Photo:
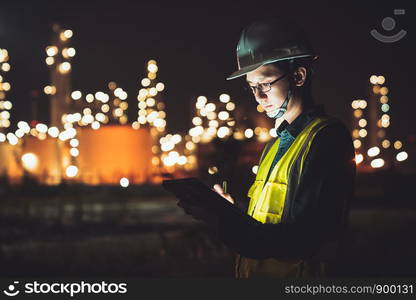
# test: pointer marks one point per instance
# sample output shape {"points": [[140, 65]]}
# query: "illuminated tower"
{"points": [[58, 58], [5, 86], [372, 140]]}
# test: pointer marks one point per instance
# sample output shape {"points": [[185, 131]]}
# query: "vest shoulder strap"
{"points": [[266, 149]]}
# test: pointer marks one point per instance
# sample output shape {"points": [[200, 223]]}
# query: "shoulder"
{"points": [[334, 130], [333, 138]]}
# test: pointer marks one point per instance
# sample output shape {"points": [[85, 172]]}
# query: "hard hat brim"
{"points": [[245, 70]]}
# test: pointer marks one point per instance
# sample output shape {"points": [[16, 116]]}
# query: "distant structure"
{"points": [[375, 148], [5, 104]]}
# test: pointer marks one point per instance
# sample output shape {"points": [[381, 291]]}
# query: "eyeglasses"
{"points": [[265, 87]]}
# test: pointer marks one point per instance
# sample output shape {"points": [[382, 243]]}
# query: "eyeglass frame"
{"points": [[265, 85]]}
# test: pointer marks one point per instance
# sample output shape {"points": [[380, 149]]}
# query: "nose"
{"points": [[259, 95]]}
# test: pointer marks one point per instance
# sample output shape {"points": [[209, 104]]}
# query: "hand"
{"points": [[199, 213], [217, 188]]}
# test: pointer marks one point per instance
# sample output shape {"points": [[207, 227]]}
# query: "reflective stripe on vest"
{"points": [[268, 199]]}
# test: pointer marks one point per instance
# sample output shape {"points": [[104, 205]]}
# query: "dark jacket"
{"points": [[320, 209]]}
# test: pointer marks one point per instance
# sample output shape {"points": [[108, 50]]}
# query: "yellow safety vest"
{"points": [[268, 199]]}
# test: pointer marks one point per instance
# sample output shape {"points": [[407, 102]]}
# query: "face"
{"points": [[274, 98]]}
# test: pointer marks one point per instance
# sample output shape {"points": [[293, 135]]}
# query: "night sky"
{"points": [[194, 44]]}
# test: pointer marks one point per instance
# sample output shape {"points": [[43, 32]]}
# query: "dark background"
{"points": [[194, 44], [140, 232]]}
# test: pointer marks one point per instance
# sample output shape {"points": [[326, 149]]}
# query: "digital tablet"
{"points": [[197, 193]]}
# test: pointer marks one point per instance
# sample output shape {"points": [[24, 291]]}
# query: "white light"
{"points": [[362, 133], [160, 86], [385, 107], [4, 115], [210, 107], [22, 124], [87, 119], [123, 96], [98, 95], [224, 98], [7, 105], [223, 115], [374, 79], [51, 50], [74, 152], [182, 160], [357, 144], [385, 117], [255, 169], [363, 104], [145, 82], [223, 132], [50, 60], [152, 92], [150, 102], [53, 132], [76, 95], [41, 128], [71, 171], [362, 122], [359, 158], [2, 137], [173, 155], [401, 156], [95, 125], [89, 98], [190, 145], [68, 33], [377, 163], [124, 182], [105, 108], [249, 133], [74, 143], [213, 123], [167, 146], [373, 151], [64, 67], [211, 115], [197, 121], [142, 93], [4, 123], [30, 161], [19, 133], [176, 138], [5, 67], [159, 123], [71, 52], [152, 116], [230, 106], [199, 105], [13, 140], [380, 79], [77, 117], [152, 68]]}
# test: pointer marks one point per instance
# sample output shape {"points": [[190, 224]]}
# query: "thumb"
{"points": [[218, 189]]}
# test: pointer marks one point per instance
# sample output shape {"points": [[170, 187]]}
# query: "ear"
{"points": [[300, 76]]}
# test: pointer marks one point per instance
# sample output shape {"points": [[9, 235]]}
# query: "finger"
{"points": [[218, 189]]}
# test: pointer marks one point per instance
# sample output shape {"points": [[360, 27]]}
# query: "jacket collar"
{"points": [[301, 121]]}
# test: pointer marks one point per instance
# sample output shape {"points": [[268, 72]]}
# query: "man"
{"points": [[299, 201]]}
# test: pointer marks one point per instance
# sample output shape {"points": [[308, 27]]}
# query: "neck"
{"points": [[295, 108]]}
